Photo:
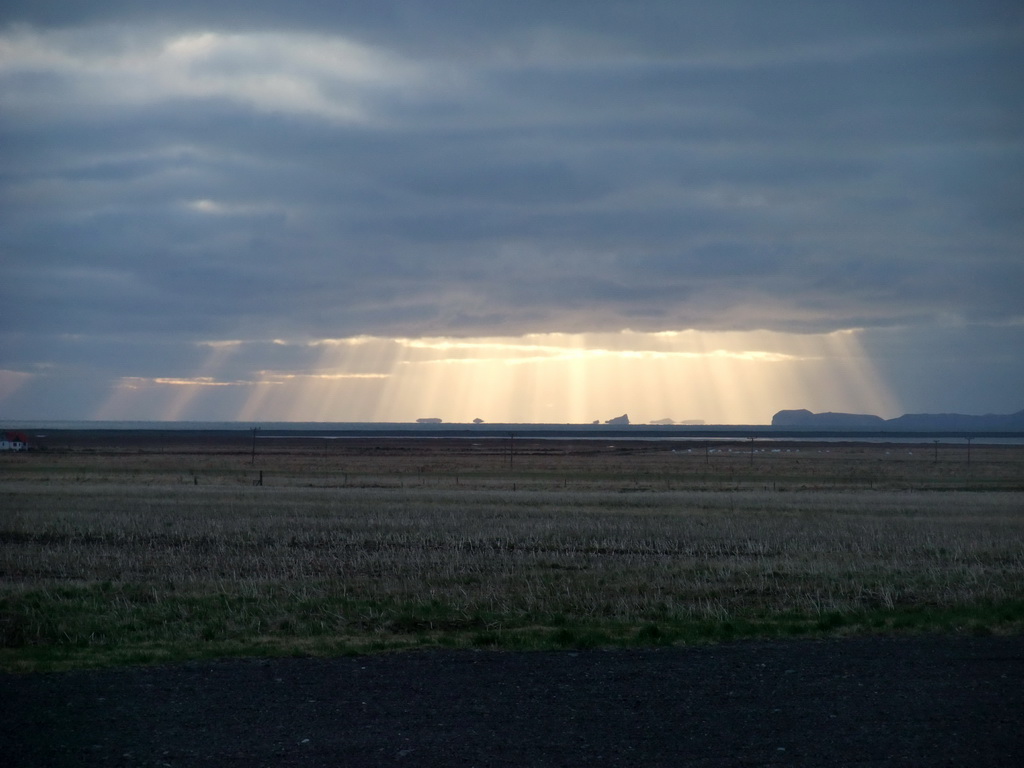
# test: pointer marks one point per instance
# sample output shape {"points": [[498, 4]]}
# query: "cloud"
{"points": [[245, 171], [109, 68]]}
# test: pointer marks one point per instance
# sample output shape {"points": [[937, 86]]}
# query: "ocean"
{"points": [[327, 430]]}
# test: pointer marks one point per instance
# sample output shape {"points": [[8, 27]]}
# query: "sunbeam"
{"points": [[11, 382], [680, 376], [172, 397], [724, 378]]}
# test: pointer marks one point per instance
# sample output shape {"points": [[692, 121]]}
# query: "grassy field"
{"points": [[169, 548]]}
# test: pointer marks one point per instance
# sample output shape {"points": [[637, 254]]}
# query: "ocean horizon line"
{"points": [[433, 429]]}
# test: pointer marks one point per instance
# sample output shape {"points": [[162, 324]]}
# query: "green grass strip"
{"points": [[101, 625]]}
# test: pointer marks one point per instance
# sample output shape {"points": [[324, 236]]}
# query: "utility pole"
{"points": [[254, 431]]}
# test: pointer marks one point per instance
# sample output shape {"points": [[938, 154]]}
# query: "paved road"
{"points": [[857, 702]]}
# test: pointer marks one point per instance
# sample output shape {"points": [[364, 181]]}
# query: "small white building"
{"points": [[13, 441]]}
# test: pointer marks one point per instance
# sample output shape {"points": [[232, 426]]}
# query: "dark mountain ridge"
{"points": [[908, 421]]}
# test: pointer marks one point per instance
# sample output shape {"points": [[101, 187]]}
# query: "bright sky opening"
{"points": [[687, 376]]}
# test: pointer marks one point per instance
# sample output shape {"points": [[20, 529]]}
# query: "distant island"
{"points": [[909, 421]]}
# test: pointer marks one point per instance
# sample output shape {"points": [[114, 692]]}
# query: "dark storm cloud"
{"points": [[198, 171]]}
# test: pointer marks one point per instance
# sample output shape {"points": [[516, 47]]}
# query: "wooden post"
{"points": [[254, 431]]}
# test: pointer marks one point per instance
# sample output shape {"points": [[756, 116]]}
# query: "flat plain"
{"points": [[125, 549]]}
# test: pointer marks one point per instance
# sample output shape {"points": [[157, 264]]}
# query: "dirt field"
{"points": [[235, 457]]}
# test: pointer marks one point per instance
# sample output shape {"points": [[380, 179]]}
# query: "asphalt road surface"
{"points": [[931, 701]]}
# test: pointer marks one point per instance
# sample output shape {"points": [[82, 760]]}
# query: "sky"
{"points": [[522, 211]]}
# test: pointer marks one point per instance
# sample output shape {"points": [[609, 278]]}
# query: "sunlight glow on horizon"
{"points": [[715, 377]]}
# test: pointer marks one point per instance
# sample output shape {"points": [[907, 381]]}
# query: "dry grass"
{"points": [[110, 557], [530, 464]]}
